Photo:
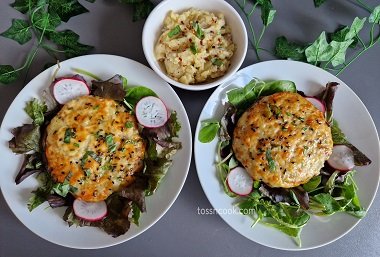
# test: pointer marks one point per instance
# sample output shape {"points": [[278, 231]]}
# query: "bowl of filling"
{"points": [[194, 45]]}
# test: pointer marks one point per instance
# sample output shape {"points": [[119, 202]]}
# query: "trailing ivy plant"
{"points": [[329, 50], [141, 8], [249, 8], [42, 17]]}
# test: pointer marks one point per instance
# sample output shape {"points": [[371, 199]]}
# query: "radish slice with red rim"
{"points": [[239, 181], [66, 89], [317, 103], [151, 112], [342, 158], [90, 211]]}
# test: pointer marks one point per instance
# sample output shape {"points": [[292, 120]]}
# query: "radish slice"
{"points": [[66, 89], [151, 112], [342, 158], [239, 181], [317, 103], [90, 211]]}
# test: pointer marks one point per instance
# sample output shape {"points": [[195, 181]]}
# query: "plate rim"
{"points": [[217, 93], [185, 125]]}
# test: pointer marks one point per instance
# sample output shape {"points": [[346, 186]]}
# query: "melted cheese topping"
{"points": [[94, 143], [282, 140]]}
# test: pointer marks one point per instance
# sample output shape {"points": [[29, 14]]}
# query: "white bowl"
{"points": [[154, 24]]}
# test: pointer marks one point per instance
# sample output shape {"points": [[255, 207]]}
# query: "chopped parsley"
{"points": [[217, 62], [193, 48], [129, 124], [198, 30], [107, 166], [110, 143], [69, 133], [91, 154], [271, 162], [174, 31], [87, 172]]}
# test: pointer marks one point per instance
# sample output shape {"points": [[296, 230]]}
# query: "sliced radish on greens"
{"points": [[342, 158], [68, 88], [90, 211], [239, 181], [151, 112], [317, 103]]}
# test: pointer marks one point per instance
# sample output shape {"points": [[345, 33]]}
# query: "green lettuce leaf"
{"points": [[36, 110], [134, 94], [26, 138], [242, 98]]}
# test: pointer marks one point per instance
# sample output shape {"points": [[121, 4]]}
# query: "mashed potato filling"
{"points": [[195, 46]]}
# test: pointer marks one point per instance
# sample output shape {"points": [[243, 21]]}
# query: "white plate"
{"points": [[46, 222], [354, 120]]}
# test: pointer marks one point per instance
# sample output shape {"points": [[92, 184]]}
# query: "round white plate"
{"points": [[354, 120], [46, 222]]}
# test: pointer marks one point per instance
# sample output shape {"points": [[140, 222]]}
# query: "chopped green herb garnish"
{"points": [[110, 143], [91, 154], [271, 162], [193, 48], [76, 144], [107, 166], [96, 107], [109, 139], [198, 30], [174, 31], [217, 62], [129, 124], [69, 133], [87, 172]]}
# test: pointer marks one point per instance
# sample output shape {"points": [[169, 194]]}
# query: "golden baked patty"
{"points": [[282, 140], [94, 143]]}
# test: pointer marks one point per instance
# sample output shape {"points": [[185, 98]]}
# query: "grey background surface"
{"points": [[181, 231]]}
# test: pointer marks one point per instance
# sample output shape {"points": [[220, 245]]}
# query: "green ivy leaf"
{"points": [[142, 10], [19, 31], [45, 21], [340, 35], [8, 74], [318, 3], [340, 50], [375, 15], [69, 41], [267, 11], [66, 9], [289, 50], [320, 50], [25, 6], [355, 28]]}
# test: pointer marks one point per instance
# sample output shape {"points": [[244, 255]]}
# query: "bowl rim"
{"points": [[198, 87]]}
